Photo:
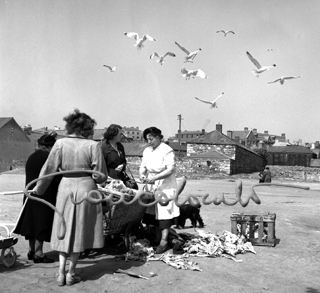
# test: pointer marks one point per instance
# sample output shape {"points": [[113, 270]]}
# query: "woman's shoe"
{"points": [[162, 249], [42, 259], [30, 255], [61, 280], [72, 279]]}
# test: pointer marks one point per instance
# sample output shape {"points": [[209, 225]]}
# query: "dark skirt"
{"points": [[151, 220], [36, 220]]}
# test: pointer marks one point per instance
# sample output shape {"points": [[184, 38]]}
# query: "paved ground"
{"points": [[293, 265]]}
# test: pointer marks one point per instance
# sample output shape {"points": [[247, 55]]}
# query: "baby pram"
{"points": [[8, 254]]}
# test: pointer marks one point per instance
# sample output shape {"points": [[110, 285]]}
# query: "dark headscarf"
{"points": [[47, 140]]}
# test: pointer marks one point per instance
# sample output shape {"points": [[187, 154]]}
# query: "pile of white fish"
{"points": [[211, 245]]}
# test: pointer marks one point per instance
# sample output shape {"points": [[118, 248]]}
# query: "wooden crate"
{"points": [[259, 229]]}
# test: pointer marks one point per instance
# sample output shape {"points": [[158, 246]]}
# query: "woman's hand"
{"points": [[143, 178], [119, 168]]}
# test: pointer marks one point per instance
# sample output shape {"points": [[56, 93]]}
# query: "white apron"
{"points": [[156, 161]]}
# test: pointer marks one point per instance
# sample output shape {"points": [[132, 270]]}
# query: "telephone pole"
{"points": [[179, 134]]}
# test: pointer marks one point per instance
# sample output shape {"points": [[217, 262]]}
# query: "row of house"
{"points": [[232, 153]]}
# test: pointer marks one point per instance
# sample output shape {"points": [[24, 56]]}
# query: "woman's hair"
{"points": [[112, 131], [154, 131], [79, 123]]}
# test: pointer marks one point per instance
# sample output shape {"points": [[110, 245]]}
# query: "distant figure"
{"points": [[265, 175]]}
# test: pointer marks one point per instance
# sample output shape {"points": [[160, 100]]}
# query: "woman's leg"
{"points": [[164, 236], [62, 263], [38, 248], [73, 263], [32, 244]]}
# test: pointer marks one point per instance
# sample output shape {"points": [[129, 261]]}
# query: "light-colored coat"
{"points": [[84, 222]]}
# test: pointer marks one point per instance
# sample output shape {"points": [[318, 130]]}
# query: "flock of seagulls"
{"points": [[187, 74]]}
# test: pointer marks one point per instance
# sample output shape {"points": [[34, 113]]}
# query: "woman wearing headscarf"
{"points": [[35, 222], [158, 168], [84, 226]]}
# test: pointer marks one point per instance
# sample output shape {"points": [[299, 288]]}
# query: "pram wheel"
{"points": [[133, 231], [8, 257]]}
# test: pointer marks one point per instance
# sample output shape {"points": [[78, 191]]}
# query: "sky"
{"points": [[52, 55]]}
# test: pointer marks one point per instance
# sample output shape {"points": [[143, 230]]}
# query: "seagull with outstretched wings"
{"points": [[139, 42], [111, 69], [190, 55], [226, 32], [161, 57], [283, 78], [261, 69], [192, 73], [212, 103]]}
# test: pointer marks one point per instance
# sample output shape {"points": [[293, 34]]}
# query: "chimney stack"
{"points": [[246, 129], [219, 127], [255, 131], [229, 133], [266, 132]]}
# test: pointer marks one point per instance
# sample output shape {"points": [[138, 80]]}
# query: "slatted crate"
{"points": [[259, 229]]}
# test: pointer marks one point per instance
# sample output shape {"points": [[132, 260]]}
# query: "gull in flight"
{"points": [[191, 55], [139, 42], [226, 32], [269, 49], [161, 58], [188, 73], [257, 64], [213, 103], [111, 69], [283, 78]]}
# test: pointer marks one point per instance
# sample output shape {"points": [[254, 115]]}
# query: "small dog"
{"points": [[188, 211]]}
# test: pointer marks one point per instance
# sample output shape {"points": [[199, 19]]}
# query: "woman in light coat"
{"points": [[84, 224]]}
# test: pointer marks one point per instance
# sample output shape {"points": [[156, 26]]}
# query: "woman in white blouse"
{"points": [[158, 168]]}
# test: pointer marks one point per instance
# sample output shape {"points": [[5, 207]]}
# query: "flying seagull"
{"points": [[161, 58], [283, 78], [226, 32], [112, 69], [188, 73], [213, 103], [257, 64], [269, 49], [191, 55], [139, 42]]}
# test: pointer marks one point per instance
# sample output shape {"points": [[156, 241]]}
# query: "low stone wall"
{"points": [[194, 171]]}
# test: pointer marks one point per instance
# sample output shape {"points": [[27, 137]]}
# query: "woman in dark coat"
{"points": [[113, 152], [36, 219]]}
